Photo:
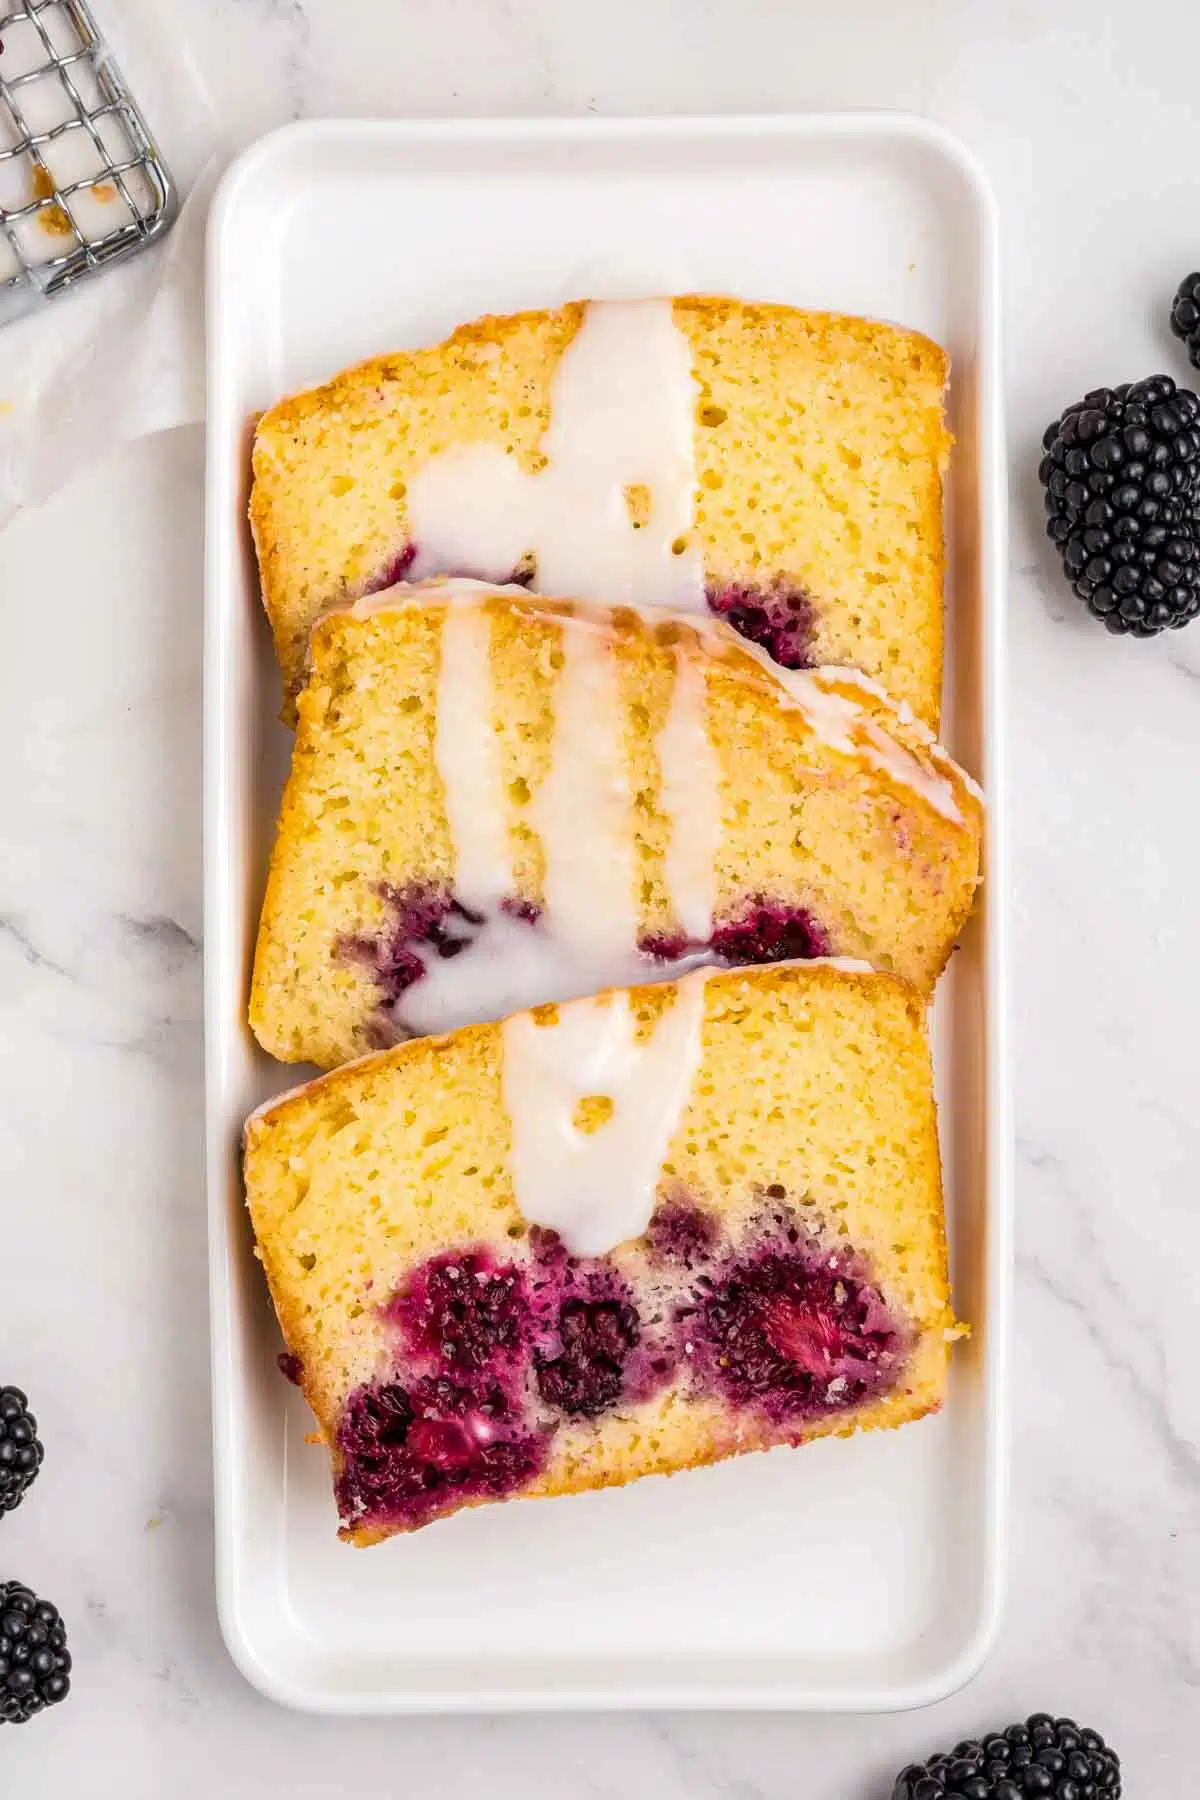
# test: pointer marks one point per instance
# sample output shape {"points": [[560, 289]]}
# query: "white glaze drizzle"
{"points": [[586, 938], [597, 1188], [622, 401], [468, 758], [587, 935], [582, 811], [691, 798]]}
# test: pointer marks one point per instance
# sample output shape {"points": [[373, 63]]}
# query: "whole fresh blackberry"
{"points": [[35, 1664], [1185, 316], [1043, 1759], [20, 1449], [1121, 473]]}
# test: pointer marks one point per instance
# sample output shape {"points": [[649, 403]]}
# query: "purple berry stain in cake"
{"points": [[401, 566], [768, 931], [526, 911], [463, 1311], [485, 1350], [682, 1234], [408, 1453], [666, 947], [794, 1332], [782, 618], [289, 1364], [395, 570], [583, 1373], [492, 1358], [422, 923], [765, 931], [453, 1423], [592, 1352], [418, 915]]}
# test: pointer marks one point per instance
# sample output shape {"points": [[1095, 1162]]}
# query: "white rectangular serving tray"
{"points": [[862, 1574]]}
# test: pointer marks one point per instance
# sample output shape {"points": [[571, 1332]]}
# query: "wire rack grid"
{"points": [[82, 184]]}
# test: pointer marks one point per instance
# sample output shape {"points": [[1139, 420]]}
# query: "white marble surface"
{"points": [[1085, 115]]}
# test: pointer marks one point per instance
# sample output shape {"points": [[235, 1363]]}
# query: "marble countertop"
{"points": [[1085, 117]]}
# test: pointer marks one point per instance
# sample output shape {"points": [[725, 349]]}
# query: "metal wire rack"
{"points": [[81, 182]]}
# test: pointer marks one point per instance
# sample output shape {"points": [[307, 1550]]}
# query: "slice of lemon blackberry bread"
{"points": [[620, 1237], [497, 800], [779, 467]]}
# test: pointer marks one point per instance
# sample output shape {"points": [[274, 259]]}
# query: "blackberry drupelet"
{"points": [[1185, 316], [20, 1448], [1121, 474], [1043, 1759], [35, 1664]]}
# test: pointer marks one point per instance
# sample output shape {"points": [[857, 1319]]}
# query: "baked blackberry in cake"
{"points": [[635, 1233]]}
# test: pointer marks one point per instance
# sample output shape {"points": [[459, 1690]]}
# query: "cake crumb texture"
{"points": [[819, 444], [792, 1282]]}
